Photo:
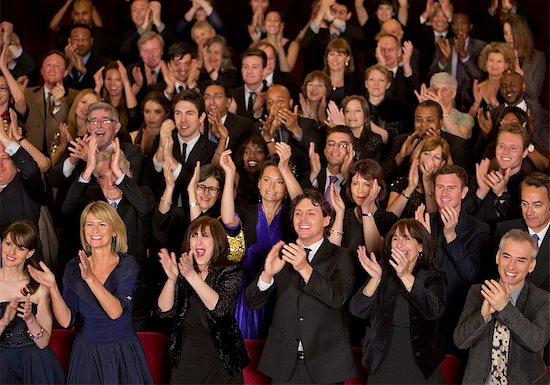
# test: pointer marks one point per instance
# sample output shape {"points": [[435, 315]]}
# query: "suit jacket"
{"points": [[41, 127], [239, 129], [92, 66], [427, 45], [535, 71], [529, 324], [402, 88], [159, 85], [460, 260], [426, 304], [238, 94], [539, 276], [312, 313], [470, 71]]}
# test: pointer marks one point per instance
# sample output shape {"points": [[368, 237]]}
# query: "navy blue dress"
{"points": [[105, 351], [21, 361]]}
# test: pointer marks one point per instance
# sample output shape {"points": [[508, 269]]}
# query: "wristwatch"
{"points": [[367, 214]]}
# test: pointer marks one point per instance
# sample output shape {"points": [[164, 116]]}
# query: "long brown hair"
{"points": [[221, 246]]}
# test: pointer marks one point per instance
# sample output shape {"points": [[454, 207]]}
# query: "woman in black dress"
{"points": [[206, 345], [402, 301]]}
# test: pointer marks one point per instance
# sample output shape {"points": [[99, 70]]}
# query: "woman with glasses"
{"points": [[263, 224], [25, 313], [204, 192]]}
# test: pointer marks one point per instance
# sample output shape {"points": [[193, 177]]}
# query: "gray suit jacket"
{"points": [[529, 324], [41, 127]]}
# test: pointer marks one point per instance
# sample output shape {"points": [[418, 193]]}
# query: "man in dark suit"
{"points": [[312, 280], [339, 155], [460, 241], [222, 124], [250, 97], [274, 74], [428, 120], [506, 323], [458, 57], [49, 104], [134, 204], [83, 63], [146, 75], [181, 144], [535, 210]]}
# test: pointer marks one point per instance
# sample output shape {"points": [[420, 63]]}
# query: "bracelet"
{"points": [[219, 154], [38, 335], [20, 139], [272, 140], [406, 197], [193, 204], [168, 203], [334, 232], [367, 214]]}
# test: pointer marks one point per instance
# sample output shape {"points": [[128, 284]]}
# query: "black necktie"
{"points": [[307, 253], [180, 88], [250, 107], [183, 151]]}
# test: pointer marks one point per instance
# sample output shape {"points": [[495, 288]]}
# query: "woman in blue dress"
{"points": [[97, 298], [25, 314], [264, 224]]}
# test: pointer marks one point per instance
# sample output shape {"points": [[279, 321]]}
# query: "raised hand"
{"points": [[401, 263], [185, 264], [335, 116], [227, 164], [369, 203], [284, 151], [115, 159], [196, 176], [273, 262], [314, 162], [336, 201], [169, 264], [370, 265], [168, 176], [485, 122], [98, 79], [9, 313], [423, 217], [295, 255], [24, 310], [44, 277], [497, 294], [498, 182], [449, 217], [58, 92], [445, 48], [482, 170], [85, 267]]}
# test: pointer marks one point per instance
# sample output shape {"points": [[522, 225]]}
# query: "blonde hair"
{"points": [[104, 212], [497, 47], [430, 143], [71, 117]]}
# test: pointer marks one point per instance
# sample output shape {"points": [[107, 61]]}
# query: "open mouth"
{"points": [[200, 252], [252, 163]]}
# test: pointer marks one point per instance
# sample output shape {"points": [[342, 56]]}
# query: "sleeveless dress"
{"points": [[105, 351], [21, 361]]}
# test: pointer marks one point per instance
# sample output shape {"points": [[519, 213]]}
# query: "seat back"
{"points": [[61, 342], [155, 347], [451, 369], [361, 373], [251, 374]]}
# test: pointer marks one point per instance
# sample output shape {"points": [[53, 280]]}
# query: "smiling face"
{"points": [[377, 84], [13, 255], [425, 118], [315, 90], [153, 114], [360, 188], [113, 82], [104, 132], [272, 185], [201, 243], [187, 119], [253, 158], [384, 12], [138, 11], [182, 67], [402, 241], [106, 179], [509, 152], [440, 23], [535, 207], [151, 53], [201, 35], [336, 60], [354, 114], [208, 192], [514, 262], [82, 39], [449, 191], [337, 148], [309, 222], [214, 55], [390, 50], [97, 232], [82, 13], [461, 25], [512, 87], [445, 92], [496, 64], [53, 70], [84, 105], [273, 23]]}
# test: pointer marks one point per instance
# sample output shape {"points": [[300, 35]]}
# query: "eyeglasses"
{"points": [[331, 144], [4, 89], [97, 122], [211, 190]]}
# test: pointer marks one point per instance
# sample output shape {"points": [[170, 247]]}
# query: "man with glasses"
{"points": [[339, 155]]}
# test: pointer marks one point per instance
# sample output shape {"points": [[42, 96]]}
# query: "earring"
{"points": [[347, 63]]}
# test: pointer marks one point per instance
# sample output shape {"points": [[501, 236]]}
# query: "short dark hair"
{"points": [[180, 49], [255, 52], [221, 246], [209, 170], [157, 97], [342, 129], [192, 96], [369, 170], [453, 169], [418, 232], [432, 104], [58, 53], [316, 198], [219, 83], [536, 179], [83, 26]]}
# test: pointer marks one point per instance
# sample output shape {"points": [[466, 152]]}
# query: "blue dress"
{"points": [[254, 323], [21, 361], [105, 351]]}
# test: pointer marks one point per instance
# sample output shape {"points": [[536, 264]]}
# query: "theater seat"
{"points": [[155, 347], [362, 374], [451, 369], [251, 374], [61, 342]]}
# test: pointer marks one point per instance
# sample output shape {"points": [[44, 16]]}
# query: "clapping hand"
{"points": [[169, 264]]}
